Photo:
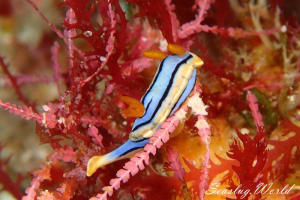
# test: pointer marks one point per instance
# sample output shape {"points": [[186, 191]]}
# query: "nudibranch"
{"points": [[173, 82]]}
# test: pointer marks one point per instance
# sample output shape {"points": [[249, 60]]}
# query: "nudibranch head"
{"points": [[196, 62]]}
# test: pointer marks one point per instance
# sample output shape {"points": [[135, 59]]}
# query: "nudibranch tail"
{"points": [[124, 151], [94, 163]]}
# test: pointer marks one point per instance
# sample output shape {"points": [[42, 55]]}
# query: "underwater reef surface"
{"points": [[73, 73]]}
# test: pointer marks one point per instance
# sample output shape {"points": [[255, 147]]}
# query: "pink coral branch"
{"points": [[240, 33], [189, 28], [66, 154], [94, 133], [173, 18], [55, 66], [69, 34], [109, 46], [204, 132], [137, 163], [22, 111], [26, 79], [203, 7], [233, 32], [195, 26], [175, 164], [255, 111], [103, 123], [13, 82], [31, 191]]}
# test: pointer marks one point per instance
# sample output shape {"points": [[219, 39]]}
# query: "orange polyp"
{"points": [[134, 109], [176, 49], [155, 54]]}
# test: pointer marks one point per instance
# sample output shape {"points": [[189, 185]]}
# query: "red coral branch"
{"points": [[281, 168], [13, 82], [39, 176], [8, 184], [109, 46], [53, 27], [22, 111], [252, 157], [160, 14]]}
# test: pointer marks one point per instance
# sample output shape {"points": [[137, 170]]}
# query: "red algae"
{"points": [[5, 8], [238, 129]]}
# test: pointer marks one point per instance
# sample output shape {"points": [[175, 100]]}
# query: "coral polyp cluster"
{"points": [[78, 68]]}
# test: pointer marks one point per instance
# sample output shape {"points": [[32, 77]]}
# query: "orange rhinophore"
{"points": [[176, 49], [155, 54], [135, 108]]}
